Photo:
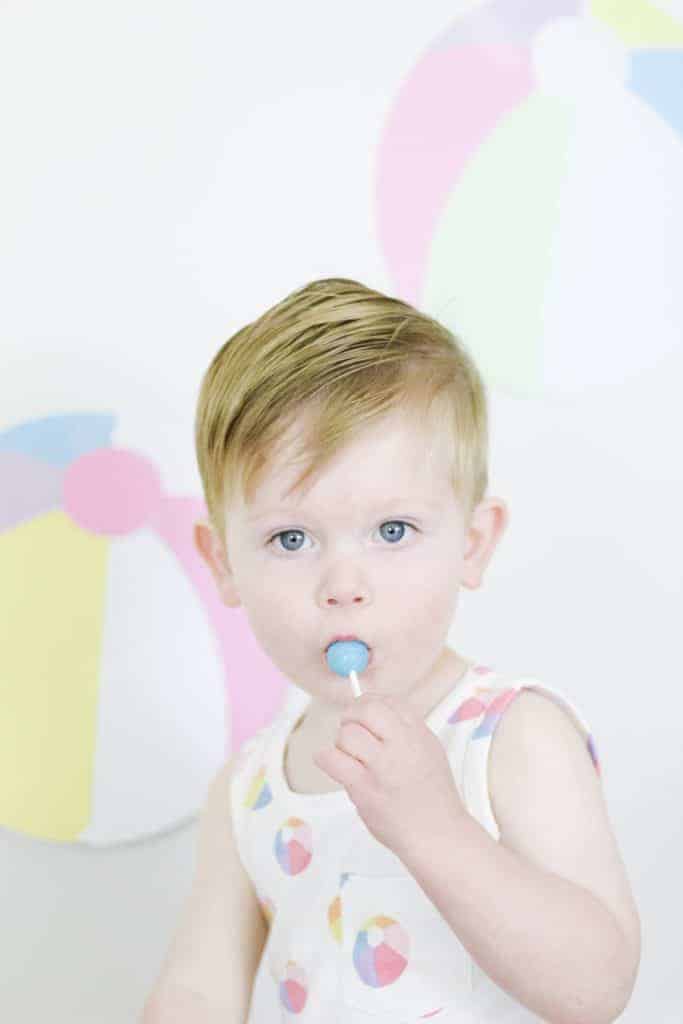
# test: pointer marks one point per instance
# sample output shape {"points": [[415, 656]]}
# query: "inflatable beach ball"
{"points": [[529, 190], [120, 668]]}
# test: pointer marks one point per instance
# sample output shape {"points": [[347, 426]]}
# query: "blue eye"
{"points": [[394, 523], [288, 534], [389, 522]]}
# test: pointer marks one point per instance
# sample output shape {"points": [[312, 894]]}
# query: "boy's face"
{"points": [[376, 548]]}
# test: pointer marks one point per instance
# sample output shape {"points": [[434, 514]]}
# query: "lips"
{"points": [[349, 636], [340, 636]]}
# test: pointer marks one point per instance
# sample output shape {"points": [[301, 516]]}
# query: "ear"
{"points": [[488, 523], [212, 550]]}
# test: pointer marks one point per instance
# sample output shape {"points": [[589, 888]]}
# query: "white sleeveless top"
{"points": [[352, 937]]}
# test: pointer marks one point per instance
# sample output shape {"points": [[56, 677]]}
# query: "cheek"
{"points": [[262, 593], [266, 596], [439, 606], [411, 612], [274, 610], [428, 599]]}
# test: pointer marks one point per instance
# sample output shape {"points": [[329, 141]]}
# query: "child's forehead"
{"points": [[417, 480], [416, 439]]}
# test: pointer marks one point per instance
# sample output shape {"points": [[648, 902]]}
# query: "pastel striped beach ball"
{"points": [[112, 685], [528, 190]]}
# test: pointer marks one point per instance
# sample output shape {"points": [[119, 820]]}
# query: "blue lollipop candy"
{"points": [[346, 658]]}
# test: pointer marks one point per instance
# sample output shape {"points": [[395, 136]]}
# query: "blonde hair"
{"points": [[344, 355]]}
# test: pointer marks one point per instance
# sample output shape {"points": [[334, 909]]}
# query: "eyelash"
{"points": [[295, 529]]}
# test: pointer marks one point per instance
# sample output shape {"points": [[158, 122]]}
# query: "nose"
{"points": [[348, 591], [355, 599], [343, 584]]}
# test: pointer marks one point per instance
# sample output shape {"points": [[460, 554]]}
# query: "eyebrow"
{"points": [[385, 503]]}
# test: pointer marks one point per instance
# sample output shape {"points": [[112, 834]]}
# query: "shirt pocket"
{"points": [[400, 957]]}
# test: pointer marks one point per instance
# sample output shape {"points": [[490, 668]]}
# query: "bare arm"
{"points": [[209, 969], [548, 942], [547, 912], [179, 1005]]}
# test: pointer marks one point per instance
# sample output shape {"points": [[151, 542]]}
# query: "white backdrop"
{"points": [[168, 171]]}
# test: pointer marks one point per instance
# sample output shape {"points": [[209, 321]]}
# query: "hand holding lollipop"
{"points": [[392, 765]]}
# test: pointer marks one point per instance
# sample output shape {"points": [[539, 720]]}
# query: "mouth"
{"points": [[345, 636], [348, 636]]}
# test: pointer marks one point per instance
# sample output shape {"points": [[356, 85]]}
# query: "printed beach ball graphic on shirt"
{"points": [[294, 846], [334, 919], [119, 667], [534, 154], [294, 988], [380, 953], [259, 793], [335, 910], [490, 703]]}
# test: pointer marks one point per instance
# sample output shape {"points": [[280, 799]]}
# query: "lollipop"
{"points": [[346, 657]]}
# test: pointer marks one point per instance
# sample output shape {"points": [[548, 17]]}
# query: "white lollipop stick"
{"points": [[355, 685]]}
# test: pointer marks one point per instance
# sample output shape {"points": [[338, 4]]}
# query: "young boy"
{"points": [[439, 846]]}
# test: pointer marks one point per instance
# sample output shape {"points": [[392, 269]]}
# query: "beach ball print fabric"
{"points": [[294, 846], [371, 932], [380, 952], [374, 946]]}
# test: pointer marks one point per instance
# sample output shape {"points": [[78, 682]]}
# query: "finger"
{"points": [[377, 714], [359, 742], [403, 709], [399, 704], [340, 767]]}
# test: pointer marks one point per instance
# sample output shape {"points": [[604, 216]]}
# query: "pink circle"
{"points": [[111, 491]]}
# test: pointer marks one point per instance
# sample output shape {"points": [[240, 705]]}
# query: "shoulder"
{"points": [[537, 749], [534, 723], [548, 801]]}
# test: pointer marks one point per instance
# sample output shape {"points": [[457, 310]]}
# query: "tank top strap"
{"points": [[249, 788], [473, 714], [293, 705]]}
